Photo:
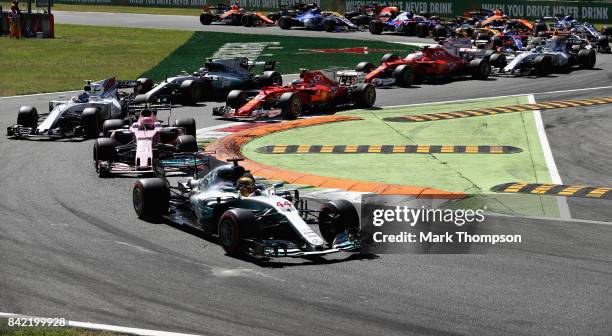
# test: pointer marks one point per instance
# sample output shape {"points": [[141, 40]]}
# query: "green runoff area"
{"points": [[473, 174], [85, 52]]}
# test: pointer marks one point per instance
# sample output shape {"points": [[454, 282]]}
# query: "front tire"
{"points": [[291, 105], [191, 92], [188, 124], [335, 217], [28, 117], [236, 98], [375, 27], [206, 19], [104, 150], [479, 69], [90, 121], [186, 144], [587, 58], [110, 125], [364, 95], [151, 198], [404, 77], [366, 67], [329, 25], [234, 226], [285, 22]]}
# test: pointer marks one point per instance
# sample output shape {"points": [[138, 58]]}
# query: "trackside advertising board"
{"points": [[584, 11]]}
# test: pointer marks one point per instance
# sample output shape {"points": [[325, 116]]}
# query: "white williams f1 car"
{"points": [[548, 56], [82, 115], [250, 219]]}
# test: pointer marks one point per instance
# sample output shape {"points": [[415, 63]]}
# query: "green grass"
{"points": [[291, 52], [85, 52], [472, 174], [79, 53]]}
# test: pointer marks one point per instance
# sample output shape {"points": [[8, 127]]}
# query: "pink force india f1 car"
{"points": [[148, 147]]}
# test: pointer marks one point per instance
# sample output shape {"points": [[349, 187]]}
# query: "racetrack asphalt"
{"points": [[71, 245]]}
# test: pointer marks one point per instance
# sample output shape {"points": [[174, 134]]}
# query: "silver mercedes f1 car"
{"points": [[263, 222]]}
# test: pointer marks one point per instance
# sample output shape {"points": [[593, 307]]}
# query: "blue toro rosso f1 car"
{"points": [[314, 19]]}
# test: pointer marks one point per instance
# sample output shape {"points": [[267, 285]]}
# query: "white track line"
{"points": [[496, 97], [107, 327], [38, 94], [564, 211]]}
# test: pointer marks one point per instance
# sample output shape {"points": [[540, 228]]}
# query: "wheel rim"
{"points": [[295, 107], [370, 95], [226, 233]]}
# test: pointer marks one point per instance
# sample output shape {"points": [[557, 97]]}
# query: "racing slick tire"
{"points": [[151, 198], [104, 150], [543, 65], [364, 95], [498, 60], [422, 30], [235, 225], [360, 20], [483, 37], [188, 124], [206, 19], [110, 125], [186, 144], [603, 44], [376, 27], [329, 25], [28, 117], [351, 14], [335, 217], [291, 105], [439, 32], [404, 77], [271, 78], [236, 98], [479, 68], [497, 41], [248, 20], [366, 67], [607, 31], [143, 85], [587, 58], [191, 92], [90, 120], [389, 58], [285, 22], [539, 27]]}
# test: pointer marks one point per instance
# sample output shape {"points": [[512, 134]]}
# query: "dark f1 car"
{"points": [[314, 90], [249, 219], [391, 19], [315, 19], [430, 62], [147, 146], [215, 80], [233, 15]]}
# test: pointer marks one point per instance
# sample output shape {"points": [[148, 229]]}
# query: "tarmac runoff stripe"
{"points": [[501, 110], [555, 190], [106, 327], [387, 149]]}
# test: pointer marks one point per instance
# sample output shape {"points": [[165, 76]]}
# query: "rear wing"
{"points": [[141, 102]]}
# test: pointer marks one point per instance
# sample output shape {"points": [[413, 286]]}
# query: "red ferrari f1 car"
{"points": [[430, 62], [314, 90]]}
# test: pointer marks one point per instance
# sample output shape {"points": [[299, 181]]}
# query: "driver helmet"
{"points": [[459, 32], [296, 82], [246, 186], [499, 12], [409, 14], [234, 7], [568, 18]]}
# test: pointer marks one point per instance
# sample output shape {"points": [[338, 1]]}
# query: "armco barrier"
{"points": [[581, 10]]}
